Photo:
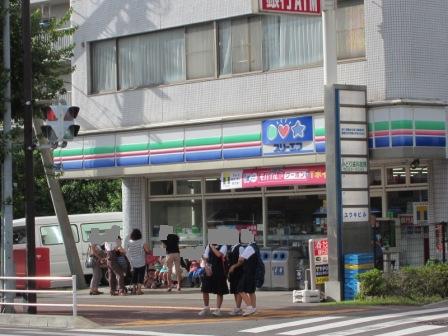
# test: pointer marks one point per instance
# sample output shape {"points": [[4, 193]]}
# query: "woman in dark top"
{"points": [[217, 282], [173, 257]]}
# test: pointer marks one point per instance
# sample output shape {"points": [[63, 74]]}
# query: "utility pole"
{"points": [[28, 147], [7, 196], [333, 287], [59, 207]]}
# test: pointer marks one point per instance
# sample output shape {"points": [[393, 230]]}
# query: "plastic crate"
{"points": [[358, 258]]}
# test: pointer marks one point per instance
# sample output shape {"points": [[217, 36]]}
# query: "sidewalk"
{"points": [[158, 307]]}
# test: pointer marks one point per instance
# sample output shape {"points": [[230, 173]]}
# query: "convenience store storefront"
{"points": [[182, 176]]}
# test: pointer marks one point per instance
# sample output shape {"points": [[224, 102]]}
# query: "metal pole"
{"points": [[75, 299], [329, 42], [28, 141], [333, 287], [7, 193]]}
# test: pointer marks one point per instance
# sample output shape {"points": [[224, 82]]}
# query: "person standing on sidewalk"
{"points": [[116, 273], [173, 257], [235, 276], [98, 260], [136, 251], [216, 282], [247, 283]]}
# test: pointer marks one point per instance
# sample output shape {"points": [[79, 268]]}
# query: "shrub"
{"points": [[413, 283]]}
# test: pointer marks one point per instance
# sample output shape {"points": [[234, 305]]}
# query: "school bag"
{"points": [[259, 268]]}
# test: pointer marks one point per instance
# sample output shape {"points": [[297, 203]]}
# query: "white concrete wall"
{"points": [[406, 52]]}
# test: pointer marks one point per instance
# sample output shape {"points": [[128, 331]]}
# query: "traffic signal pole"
{"points": [[59, 207], [28, 147]]}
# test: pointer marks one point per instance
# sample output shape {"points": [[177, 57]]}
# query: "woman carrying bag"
{"points": [[214, 279], [98, 260]]}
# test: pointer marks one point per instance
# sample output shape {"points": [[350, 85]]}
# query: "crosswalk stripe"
{"points": [[384, 325], [364, 320], [343, 323], [133, 332], [289, 324], [411, 331]]}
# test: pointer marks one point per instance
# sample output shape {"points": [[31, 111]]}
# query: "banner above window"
{"points": [[308, 7], [273, 177]]}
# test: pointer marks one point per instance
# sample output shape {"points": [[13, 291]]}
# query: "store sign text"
{"points": [[352, 215], [354, 165], [291, 6], [272, 177]]}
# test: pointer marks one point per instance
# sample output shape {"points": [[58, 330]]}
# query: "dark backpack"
{"points": [[259, 268]]}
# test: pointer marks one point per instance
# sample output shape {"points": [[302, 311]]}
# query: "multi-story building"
{"points": [[194, 103]]}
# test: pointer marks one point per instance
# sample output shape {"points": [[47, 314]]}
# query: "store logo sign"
{"points": [[287, 136]]}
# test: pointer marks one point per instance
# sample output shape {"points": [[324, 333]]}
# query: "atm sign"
{"points": [[312, 7]]}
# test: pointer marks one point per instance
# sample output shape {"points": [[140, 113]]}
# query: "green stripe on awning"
{"points": [[68, 152], [430, 125], [99, 150], [381, 126], [402, 124], [370, 127], [241, 138], [319, 132], [167, 144], [203, 142], [132, 147]]}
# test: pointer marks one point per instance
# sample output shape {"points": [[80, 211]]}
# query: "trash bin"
{"points": [[283, 266], [266, 256]]}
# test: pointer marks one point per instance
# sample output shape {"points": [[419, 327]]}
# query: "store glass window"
{"points": [[161, 188], [419, 175], [375, 177], [213, 185], [376, 206], [401, 202], [185, 216], [292, 219], [236, 213], [396, 175], [188, 187]]}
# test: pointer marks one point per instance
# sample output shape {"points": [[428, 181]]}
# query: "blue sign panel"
{"points": [[288, 136]]}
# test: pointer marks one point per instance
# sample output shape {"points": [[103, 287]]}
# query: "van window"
{"points": [[19, 235], [86, 228], [51, 235]]}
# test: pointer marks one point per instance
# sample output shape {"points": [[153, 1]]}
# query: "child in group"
{"points": [[194, 274], [163, 273]]}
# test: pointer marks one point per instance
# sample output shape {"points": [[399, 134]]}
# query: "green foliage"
{"points": [[82, 196], [51, 64], [412, 283]]}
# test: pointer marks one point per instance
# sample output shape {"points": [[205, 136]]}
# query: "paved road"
{"points": [[399, 322]]}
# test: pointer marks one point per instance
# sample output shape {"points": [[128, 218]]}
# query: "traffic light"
{"points": [[59, 124]]}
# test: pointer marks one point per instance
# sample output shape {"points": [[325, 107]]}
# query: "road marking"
{"points": [[413, 330], [370, 319], [138, 307], [390, 324], [133, 332], [289, 324]]}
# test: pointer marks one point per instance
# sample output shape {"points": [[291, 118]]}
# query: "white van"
{"points": [[48, 234]]}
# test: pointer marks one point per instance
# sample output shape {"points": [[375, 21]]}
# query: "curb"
{"points": [[46, 321]]}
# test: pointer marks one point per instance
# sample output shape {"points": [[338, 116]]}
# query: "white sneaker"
{"points": [[204, 312], [236, 312], [217, 313], [249, 311]]}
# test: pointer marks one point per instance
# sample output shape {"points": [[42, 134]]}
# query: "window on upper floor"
{"points": [[104, 71], [239, 42], [240, 45]]}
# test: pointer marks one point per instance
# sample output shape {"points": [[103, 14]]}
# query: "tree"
{"points": [[50, 64]]}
